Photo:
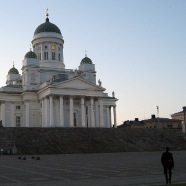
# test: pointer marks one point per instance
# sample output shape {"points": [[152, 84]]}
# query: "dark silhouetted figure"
{"points": [[168, 164]]}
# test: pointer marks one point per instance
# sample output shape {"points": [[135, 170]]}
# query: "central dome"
{"points": [[47, 27]]}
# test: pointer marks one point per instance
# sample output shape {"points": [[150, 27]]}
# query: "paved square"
{"points": [[107, 169]]}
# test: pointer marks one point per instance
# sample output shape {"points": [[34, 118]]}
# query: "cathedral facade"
{"points": [[47, 94]]}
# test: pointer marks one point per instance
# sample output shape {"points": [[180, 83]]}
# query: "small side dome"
{"points": [[13, 70], [86, 60], [31, 54]]}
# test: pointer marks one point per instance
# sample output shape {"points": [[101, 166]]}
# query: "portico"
{"points": [[75, 111]]}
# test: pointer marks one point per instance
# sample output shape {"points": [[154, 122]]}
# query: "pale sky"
{"points": [[137, 46]]}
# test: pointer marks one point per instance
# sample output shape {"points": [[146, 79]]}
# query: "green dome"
{"points": [[31, 54], [13, 70], [47, 27], [86, 60]]}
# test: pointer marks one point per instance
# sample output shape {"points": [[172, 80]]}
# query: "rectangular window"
{"points": [[59, 57], [45, 55], [53, 55], [39, 56], [18, 121], [18, 107]]}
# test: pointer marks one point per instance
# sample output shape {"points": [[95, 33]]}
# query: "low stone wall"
{"points": [[89, 140]]}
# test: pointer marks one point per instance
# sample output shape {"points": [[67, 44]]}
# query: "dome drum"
{"points": [[47, 36]]}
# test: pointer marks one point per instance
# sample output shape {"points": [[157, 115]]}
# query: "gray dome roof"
{"points": [[86, 60], [31, 54], [13, 70], [47, 27]]}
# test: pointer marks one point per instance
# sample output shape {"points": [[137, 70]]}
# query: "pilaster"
{"points": [[43, 112], [49, 52], [42, 52], [27, 113], [3, 113], [12, 114]]}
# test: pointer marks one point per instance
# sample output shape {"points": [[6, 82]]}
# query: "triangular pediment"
{"points": [[77, 83]]}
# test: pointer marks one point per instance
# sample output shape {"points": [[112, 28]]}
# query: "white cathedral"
{"points": [[49, 95]]}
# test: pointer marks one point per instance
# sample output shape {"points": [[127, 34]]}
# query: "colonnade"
{"points": [[91, 112]]}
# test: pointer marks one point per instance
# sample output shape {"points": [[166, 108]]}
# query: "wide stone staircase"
{"points": [[89, 140]]}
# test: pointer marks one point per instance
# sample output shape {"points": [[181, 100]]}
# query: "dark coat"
{"points": [[167, 160]]}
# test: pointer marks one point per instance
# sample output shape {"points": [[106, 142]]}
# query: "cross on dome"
{"points": [[47, 14]]}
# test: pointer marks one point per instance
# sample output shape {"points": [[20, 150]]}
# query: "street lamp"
{"points": [[158, 113]]}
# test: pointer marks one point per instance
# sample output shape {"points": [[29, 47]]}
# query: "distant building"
{"points": [[156, 122], [180, 116], [153, 122]]}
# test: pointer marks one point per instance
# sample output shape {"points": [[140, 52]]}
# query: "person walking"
{"points": [[168, 164]]}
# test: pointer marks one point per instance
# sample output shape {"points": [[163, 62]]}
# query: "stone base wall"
{"points": [[89, 140]]}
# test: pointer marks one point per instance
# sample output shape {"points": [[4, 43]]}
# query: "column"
{"points": [[71, 112], [83, 112], [61, 111], [12, 114], [115, 122], [27, 113], [47, 112], [101, 113], [92, 112], [87, 115], [51, 112], [43, 112], [3, 113], [108, 117], [96, 114]]}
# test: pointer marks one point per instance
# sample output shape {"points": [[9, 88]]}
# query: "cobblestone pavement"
{"points": [[107, 169]]}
